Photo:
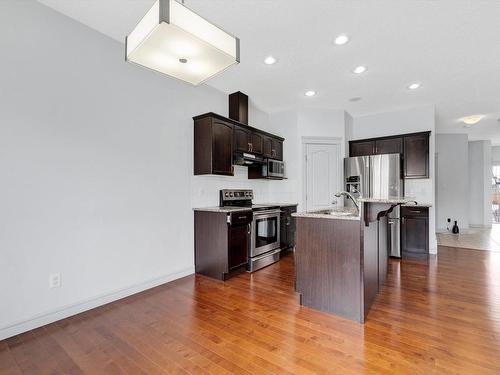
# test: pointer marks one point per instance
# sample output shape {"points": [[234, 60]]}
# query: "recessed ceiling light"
{"points": [[310, 93], [341, 39], [355, 99], [359, 69], [270, 60], [471, 120], [414, 86]]}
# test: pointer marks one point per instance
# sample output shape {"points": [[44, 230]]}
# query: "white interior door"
{"points": [[322, 172]]}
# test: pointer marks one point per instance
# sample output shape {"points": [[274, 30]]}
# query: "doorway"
{"points": [[495, 196], [322, 172]]}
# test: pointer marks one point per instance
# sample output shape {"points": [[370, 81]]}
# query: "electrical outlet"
{"points": [[54, 280]]}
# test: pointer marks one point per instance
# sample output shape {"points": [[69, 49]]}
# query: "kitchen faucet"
{"points": [[349, 195]]}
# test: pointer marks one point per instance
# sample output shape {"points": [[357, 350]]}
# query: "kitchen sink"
{"points": [[335, 212]]}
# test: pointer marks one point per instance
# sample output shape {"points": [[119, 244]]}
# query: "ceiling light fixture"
{"points": [[310, 93], [175, 41], [341, 39], [270, 60], [471, 120], [355, 99], [359, 69], [414, 86]]}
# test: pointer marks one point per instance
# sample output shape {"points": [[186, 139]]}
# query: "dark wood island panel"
{"points": [[328, 274]]}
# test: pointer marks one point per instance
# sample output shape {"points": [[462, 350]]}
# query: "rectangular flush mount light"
{"points": [[174, 40]]}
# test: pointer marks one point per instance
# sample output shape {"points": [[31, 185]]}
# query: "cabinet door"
{"points": [[291, 229], [238, 246], [389, 146], [267, 146], [222, 149], [416, 156], [414, 236], [362, 148], [283, 229], [277, 149], [241, 139], [257, 143]]}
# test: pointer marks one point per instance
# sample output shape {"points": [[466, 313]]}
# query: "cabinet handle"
{"points": [[249, 228], [249, 144], [242, 217]]}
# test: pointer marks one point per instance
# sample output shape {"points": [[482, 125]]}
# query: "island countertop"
{"points": [[390, 200], [343, 213]]}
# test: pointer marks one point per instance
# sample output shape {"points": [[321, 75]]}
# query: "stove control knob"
{"points": [[231, 194], [226, 194]]}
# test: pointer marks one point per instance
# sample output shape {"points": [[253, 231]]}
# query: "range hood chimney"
{"points": [[238, 107]]}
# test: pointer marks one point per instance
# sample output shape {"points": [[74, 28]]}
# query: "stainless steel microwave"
{"points": [[274, 169]]}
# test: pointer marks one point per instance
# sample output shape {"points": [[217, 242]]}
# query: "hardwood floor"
{"points": [[436, 318]]}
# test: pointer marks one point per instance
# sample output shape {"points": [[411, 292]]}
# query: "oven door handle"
{"points": [[267, 212]]}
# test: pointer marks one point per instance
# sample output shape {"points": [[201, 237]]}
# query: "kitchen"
{"points": [[191, 210], [240, 236]]}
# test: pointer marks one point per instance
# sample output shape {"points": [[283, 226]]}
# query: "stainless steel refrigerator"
{"points": [[377, 176]]}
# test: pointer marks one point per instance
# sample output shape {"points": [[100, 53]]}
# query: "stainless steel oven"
{"points": [[265, 232]]}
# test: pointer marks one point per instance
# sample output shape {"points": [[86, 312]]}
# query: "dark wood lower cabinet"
{"points": [[287, 227], [221, 243], [415, 232], [238, 238]]}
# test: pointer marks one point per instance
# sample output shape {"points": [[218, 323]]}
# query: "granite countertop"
{"points": [[389, 200], [336, 214], [222, 209], [236, 209]]}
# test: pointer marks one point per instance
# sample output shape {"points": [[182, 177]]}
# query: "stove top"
{"points": [[241, 198]]}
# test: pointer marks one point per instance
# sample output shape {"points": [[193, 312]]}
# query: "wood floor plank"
{"points": [[436, 317]]}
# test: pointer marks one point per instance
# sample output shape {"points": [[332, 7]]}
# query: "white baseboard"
{"points": [[79, 307], [480, 226]]}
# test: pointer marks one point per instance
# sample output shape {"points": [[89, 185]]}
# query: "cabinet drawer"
{"points": [[414, 212], [241, 217]]}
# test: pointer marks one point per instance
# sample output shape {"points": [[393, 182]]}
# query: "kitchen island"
{"points": [[341, 257]]}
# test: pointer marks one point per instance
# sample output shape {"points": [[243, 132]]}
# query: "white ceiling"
{"points": [[451, 46]]}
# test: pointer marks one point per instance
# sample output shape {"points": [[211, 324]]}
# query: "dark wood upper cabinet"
{"points": [[247, 141], [277, 149], [272, 148], [361, 148], [242, 139], [257, 143], [213, 146], [414, 148], [416, 156], [267, 147], [389, 146], [216, 138]]}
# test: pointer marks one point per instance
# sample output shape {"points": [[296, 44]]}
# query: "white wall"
{"points": [[294, 125], [480, 184], [495, 155], [452, 180], [96, 161], [406, 121]]}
